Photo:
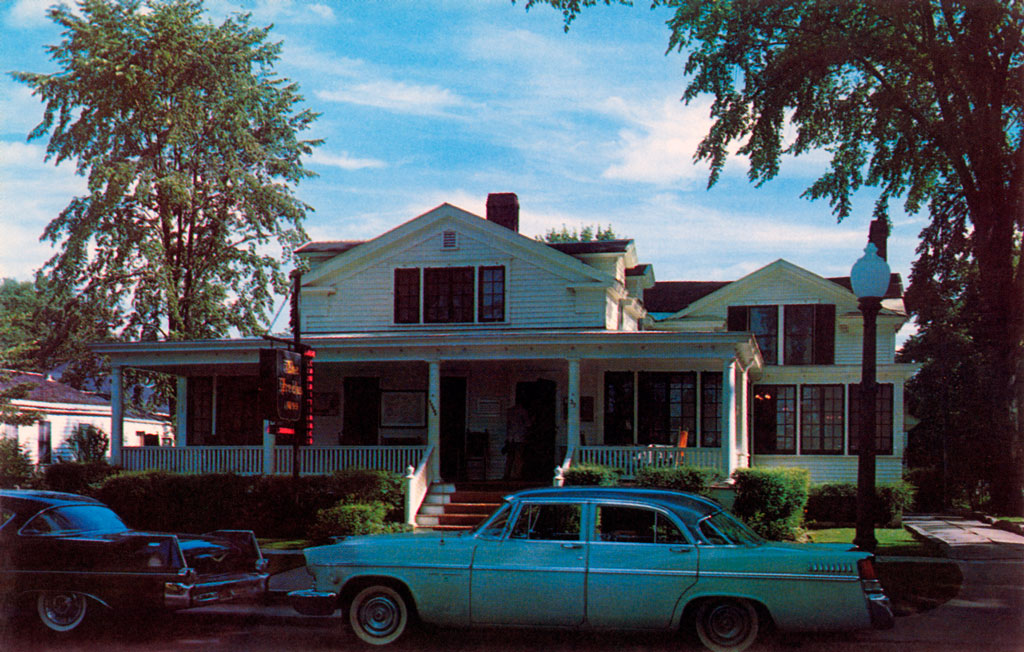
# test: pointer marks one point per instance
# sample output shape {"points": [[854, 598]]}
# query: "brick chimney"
{"points": [[503, 209], [878, 233]]}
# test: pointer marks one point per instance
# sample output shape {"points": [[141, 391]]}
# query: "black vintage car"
{"points": [[63, 555]]}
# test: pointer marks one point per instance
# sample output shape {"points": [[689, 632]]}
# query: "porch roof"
{"points": [[241, 356]]}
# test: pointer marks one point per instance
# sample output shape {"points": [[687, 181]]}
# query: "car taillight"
{"points": [[866, 569]]}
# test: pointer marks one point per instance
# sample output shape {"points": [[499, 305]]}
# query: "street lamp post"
{"points": [[870, 280]]}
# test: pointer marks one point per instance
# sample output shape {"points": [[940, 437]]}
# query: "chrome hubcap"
{"points": [[379, 615], [727, 623], [63, 608]]}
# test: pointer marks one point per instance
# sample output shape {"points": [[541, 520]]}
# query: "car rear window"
{"points": [[75, 519]]}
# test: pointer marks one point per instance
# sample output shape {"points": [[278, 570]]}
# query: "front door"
{"points": [[538, 397], [453, 427], [361, 418]]}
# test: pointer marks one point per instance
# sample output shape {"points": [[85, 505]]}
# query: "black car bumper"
{"points": [[182, 595], [313, 603]]}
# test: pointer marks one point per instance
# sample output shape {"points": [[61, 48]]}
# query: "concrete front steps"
{"points": [[463, 505]]}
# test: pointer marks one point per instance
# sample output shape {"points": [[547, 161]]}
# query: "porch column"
{"points": [[434, 417], [729, 417], [573, 425], [116, 416], [268, 449], [744, 427], [181, 414]]}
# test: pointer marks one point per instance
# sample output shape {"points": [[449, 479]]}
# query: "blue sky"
{"points": [[448, 100]]}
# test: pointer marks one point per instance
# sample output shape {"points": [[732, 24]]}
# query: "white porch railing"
{"points": [[417, 484], [249, 460], [629, 459]]}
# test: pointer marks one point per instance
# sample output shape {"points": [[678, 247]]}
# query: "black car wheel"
{"points": [[378, 615], [61, 611], [727, 624]]}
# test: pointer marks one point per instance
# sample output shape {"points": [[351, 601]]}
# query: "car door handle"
{"points": [[572, 546], [682, 549]]}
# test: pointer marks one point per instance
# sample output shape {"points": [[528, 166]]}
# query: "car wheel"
{"points": [[378, 615], [727, 625], [61, 611]]}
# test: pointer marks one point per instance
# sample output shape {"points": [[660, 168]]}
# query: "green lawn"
{"points": [[892, 542]]}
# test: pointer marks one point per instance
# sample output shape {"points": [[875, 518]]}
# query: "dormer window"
{"points": [[807, 333]]}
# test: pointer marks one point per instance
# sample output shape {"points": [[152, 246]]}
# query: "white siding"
{"points": [[535, 297], [833, 468]]}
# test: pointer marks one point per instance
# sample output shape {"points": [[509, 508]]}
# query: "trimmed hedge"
{"points": [[271, 506], [353, 519], [591, 475], [837, 503], [771, 501], [693, 479], [77, 477]]}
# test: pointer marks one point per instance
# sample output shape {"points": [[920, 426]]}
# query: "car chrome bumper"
{"points": [[182, 595], [313, 603], [880, 610]]}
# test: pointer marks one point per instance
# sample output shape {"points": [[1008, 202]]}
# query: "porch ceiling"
{"points": [[241, 356]]}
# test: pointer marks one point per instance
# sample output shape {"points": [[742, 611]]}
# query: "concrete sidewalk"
{"points": [[964, 538]]}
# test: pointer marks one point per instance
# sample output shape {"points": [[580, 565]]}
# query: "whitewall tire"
{"points": [[378, 615]]}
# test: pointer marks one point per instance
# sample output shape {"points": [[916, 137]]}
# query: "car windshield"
{"points": [[75, 519], [722, 528]]}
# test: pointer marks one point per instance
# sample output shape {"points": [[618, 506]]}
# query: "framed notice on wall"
{"points": [[399, 409]]}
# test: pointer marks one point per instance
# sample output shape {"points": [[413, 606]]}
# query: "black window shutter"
{"points": [[738, 318], [824, 334]]}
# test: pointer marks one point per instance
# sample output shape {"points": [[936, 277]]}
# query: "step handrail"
{"points": [[417, 484]]}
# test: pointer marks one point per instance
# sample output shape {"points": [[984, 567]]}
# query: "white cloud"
{"points": [[395, 96], [34, 13], [659, 142], [344, 161]]}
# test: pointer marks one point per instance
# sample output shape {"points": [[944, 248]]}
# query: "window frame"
{"points": [[493, 289], [791, 423], [446, 298], [407, 295], [885, 418], [824, 408], [677, 402], [711, 409], [816, 330]]}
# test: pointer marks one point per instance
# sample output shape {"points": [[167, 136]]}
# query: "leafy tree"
{"points": [[15, 464], [588, 233], [190, 144], [89, 443], [917, 98]]}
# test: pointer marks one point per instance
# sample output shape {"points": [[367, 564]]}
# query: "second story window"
{"points": [[407, 296], [492, 294], [763, 322], [447, 295]]}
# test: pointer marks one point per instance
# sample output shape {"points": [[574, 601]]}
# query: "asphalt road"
{"points": [[987, 616]]}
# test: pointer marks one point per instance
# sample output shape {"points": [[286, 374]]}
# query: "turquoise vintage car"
{"points": [[599, 558]]}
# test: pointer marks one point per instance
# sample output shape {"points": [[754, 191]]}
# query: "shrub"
{"points": [[350, 519], [77, 477], [837, 503], [89, 443], [929, 492], [15, 464], [771, 501], [271, 506], [591, 475], [693, 479]]}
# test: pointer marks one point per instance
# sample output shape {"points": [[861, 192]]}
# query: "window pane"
{"points": [[407, 296], [548, 523], [764, 323], [711, 409], [667, 405], [635, 525], [799, 341], [447, 295], [774, 419], [883, 418], [821, 419], [492, 294]]}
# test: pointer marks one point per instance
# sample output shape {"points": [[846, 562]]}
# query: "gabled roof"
{"points": [[351, 255], [47, 390], [680, 296]]}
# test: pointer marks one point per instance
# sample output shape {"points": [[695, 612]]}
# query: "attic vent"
{"points": [[449, 240]]}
